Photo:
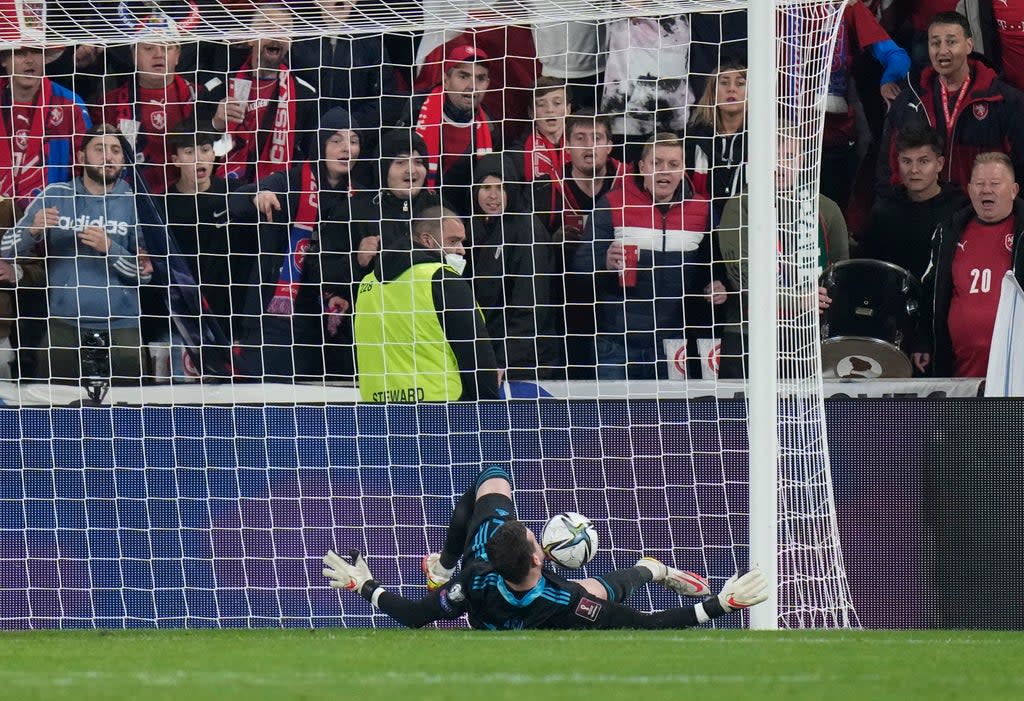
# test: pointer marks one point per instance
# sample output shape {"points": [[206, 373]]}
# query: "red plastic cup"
{"points": [[630, 259]]}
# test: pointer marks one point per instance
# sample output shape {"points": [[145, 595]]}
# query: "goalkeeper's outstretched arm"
{"points": [[355, 576], [739, 592]]}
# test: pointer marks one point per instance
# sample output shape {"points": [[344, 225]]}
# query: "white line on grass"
{"points": [[191, 679]]}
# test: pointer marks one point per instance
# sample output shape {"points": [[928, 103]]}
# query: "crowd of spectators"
{"points": [[561, 201]]}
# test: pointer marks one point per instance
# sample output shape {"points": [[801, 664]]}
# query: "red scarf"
{"points": [[25, 177], [429, 125], [543, 158], [290, 275], [276, 154]]}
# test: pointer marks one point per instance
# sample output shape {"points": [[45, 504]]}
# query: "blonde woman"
{"points": [[716, 136]]}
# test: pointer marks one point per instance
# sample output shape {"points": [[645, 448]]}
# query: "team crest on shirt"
{"points": [[21, 139], [56, 116], [158, 119], [588, 609], [1009, 243], [980, 111]]}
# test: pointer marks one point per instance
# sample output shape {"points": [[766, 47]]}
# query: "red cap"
{"points": [[463, 54]]}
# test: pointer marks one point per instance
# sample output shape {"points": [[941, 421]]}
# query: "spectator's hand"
{"points": [[266, 204], [337, 305], [8, 275], [890, 91], [740, 592], [344, 575], [716, 292], [368, 247], [921, 360], [43, 220], [95, 238], [228, 112], [87, 55], [567, 233], [614, 259], [145, 264], [824, 301]]}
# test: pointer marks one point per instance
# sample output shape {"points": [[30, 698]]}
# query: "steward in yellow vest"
{"points": [[418, 333]]}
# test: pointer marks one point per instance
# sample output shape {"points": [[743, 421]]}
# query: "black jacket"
{"points": [[325, 261], [512, 266], [989, 120], [938, 284], [354, 73], [724, 156], [379, 212], [900, 231], [463, 326]]}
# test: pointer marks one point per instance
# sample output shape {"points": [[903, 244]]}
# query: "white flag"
{"points": [[1006, 356]]}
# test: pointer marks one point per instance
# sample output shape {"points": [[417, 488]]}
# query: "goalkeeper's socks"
{"points": [[455, 538], [621, 583]]}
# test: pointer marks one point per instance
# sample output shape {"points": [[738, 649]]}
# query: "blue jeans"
{"points": [[626, 356]]}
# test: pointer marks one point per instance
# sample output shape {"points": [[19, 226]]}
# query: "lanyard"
{"points": [[956, 108]]}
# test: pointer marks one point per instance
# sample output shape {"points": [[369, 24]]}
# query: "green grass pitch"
{"points": [[363, 665]]}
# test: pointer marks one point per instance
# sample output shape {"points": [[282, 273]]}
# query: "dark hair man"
{"points": [[503, 584], [418, 332], [961, 97], [94, 265], [901, 224]]}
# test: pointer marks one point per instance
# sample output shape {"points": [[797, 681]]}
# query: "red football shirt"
{"points": [[1010, 25], [924, 10], [161, 110], [28, 152], [22, 144], [981, 260]]}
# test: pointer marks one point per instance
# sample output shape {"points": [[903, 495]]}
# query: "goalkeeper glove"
{"points": [[740, 592], [345, 575], [437, 574]]}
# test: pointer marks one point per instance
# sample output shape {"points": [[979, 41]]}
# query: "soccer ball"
{"points": [[569, 539]]}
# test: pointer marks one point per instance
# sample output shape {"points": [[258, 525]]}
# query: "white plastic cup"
{"points": [[7, 357], [710, 350], [160, 359], [675, 354]]}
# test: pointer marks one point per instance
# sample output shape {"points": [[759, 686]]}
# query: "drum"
{"points": [[867, 330]]}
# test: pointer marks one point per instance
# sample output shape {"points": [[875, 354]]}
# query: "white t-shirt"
{"points": [[646, 77], [570, 49]]}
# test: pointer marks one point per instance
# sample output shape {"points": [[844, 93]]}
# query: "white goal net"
{"points": [[204, 203]]}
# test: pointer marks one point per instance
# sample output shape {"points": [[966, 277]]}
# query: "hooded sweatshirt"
{"points": [[381, 212], [274, 236], [512, 267], [92, 289]]}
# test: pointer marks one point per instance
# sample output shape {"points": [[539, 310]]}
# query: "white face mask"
{"points": [[455, 261]]}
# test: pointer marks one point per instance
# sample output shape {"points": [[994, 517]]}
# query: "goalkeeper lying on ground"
{"points": [[503, 584]]}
